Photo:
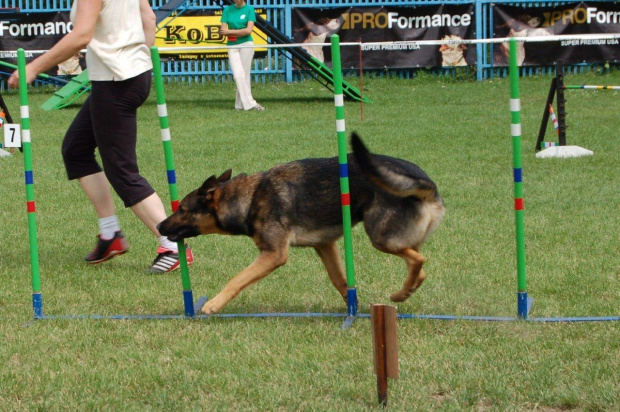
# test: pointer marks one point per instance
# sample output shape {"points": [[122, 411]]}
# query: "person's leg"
{"points": [[97, 189], [247, 57], [243, 99], [234, 61], [114, 107], [151, 212], [114, 116], [78, 151]]}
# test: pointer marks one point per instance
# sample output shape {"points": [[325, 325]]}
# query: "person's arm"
{"points": [[149, 23], [224, 29], [86, 17], [240, 32]]}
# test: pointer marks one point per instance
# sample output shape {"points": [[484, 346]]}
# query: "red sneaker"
{"points": [[168, 260], [107, 249]]}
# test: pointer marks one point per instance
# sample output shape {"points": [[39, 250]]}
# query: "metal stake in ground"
{"points": [[385, 347]]}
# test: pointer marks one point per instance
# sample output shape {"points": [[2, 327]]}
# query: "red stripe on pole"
{"points": [[175, 205], [519, 204], [30, 206], [345, 199]]}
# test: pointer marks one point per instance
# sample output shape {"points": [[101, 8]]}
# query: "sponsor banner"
{"points": [[200, 27], [36, 31], [389, 24], [573, 18]]}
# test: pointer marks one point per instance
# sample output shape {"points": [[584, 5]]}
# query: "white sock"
{"points": [[168, 244], [108, 226]]}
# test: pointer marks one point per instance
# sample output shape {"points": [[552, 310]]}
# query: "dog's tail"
{"points": [[395, 176]]}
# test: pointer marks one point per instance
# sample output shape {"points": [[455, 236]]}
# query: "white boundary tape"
{"points": [[535, 39]]}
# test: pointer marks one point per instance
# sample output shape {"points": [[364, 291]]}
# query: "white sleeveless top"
{"points": [[117, 50]]}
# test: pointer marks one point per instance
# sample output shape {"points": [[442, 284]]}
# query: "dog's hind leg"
{"points": [[266, 262], [331, 260], [415, 275]]}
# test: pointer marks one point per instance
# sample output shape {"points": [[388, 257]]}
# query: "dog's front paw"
{"points": [[214, 305], [209, 308]]}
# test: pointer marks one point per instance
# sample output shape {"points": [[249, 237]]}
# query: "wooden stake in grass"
{"points": [[385, 347]]}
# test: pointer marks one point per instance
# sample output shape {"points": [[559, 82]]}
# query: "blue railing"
{"points": [[276, 66]]}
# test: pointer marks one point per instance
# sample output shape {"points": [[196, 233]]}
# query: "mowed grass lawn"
{"points": [[459, 132]]}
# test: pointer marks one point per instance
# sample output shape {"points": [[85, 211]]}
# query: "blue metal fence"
{"points": [[276, 66]]}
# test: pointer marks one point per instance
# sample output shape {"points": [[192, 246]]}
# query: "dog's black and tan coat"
{"points": [[298, 204]]}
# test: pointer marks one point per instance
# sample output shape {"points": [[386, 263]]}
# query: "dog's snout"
{"points": [[162, 227]]}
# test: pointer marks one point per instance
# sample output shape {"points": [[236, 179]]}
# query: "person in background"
{"points": [[237, 24], [117, 35]]}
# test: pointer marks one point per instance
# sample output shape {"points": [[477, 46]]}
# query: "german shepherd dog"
{"points": [[299, 204]]}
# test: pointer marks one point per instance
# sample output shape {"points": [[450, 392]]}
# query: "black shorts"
{"points": [[108, 121]]}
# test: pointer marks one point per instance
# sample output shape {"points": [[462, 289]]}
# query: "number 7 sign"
{"points": [[12, 135]]}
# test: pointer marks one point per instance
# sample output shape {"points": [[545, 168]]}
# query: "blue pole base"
{"points": [[188, 300], [37, 305], [351, 302], [524, 305], [351, 308]]}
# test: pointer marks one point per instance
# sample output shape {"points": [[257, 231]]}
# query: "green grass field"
{"points": [[459, 132]]}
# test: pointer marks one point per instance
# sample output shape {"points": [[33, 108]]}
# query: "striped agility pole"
{"points": [[556, 127], [162, 111], [37, 298], [554, 120], [585, 87], [345, 196], [515, 129]]}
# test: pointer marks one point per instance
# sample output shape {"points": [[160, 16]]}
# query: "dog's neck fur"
{"points": [[229, 209]]}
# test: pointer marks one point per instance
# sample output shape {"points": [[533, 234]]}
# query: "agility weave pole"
{"points": [[162, 111], [345, 195], [24, 111], [523, 303]]}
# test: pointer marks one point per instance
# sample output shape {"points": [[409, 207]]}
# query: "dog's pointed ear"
{"points": [[208, 184], [224, 177], [357, 144]]}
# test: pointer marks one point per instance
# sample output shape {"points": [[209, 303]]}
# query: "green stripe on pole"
{"points": [[27, 149], [516, 150], [168, 155], [342, 159]]}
